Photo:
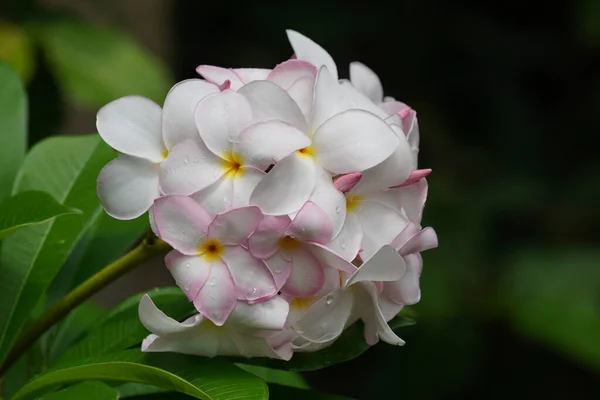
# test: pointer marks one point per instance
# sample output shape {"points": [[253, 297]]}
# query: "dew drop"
{"points": [[338, 209], [329, 300], [212, 282], [188, 265], [211, 295], [62, 242], [344, 243], [186, 287], [196, 159], [186, 160]]}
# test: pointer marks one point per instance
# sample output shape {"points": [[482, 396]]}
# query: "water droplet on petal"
{"points": [[186, 287], [196, 159], [344, 243], [338, 209], [329, 300], [212, 282], [186, 160], [188, 265]]}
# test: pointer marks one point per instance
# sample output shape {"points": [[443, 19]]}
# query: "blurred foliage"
{"points": [[508, 96]]}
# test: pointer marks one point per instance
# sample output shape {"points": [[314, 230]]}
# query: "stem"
{"points": [[143, 252]]}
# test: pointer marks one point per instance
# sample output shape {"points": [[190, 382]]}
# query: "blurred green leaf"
{"points": [[96, 65], [13, 127], [29, 208], [286, 378], [122, 329], [17, 49], [89, 390], [66, 168], [138, 389], [554, 297], [202, 378], [589, 20], [277, 392], [349, 345]]}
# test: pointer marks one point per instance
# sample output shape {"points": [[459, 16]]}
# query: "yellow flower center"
{"points": [[211, 249], [353, 201], [307, 151], [302, 303], [232, 164], [289, 244], [165, 153]]}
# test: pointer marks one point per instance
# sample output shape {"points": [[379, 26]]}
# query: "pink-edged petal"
{"points": [[189, 167], [327, 318], [252, 74], [217, 197], [383, 330], [411, 199], [217, 298], [252, 278], [329, 199], [258, 347], [288, 72], [220, 118], [265, 143], [132, 125], [415, 176], [302, 92], [311, 224], [366, 81], [307, 275], [347, 242], [181, 222], [424, 240], [407, 233], [264, 242], [406, 290], [280, 268], [386, 265], [345, 183], [380, 224], [307, 50], [157, 322], [244, 182], [392, 171], [389, 309], [178, 111], [329, 258], [267, 315], [276, 196], [127, 186], [353, 141], [392, 106], [190, 272], [269, 101], [234, 226], [218, 76]]}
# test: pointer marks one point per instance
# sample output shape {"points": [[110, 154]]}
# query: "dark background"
{"points": [[507, 95]]}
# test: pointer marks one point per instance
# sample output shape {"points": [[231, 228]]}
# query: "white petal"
{"points": [[280, 268], [270, 314], [252, 74], [326, 318], [265, 143], [181, 222], [276, 196], [329, 199], [353, 141], [253, 280], [308, 50], [220, 118], [406, 290], [302, 92], [189, 167], [269, 101], [178, 122], [132, 125], [263, 243], [330, 259], [411, 199], [366, 81], [289, 72], [244, 183], [311, 224], [385, 265], [380, 224], [218, 75], [190, 272], [307, 275], [347, 242], [234, 226], [424, 240], [157, 321], [217, 197], [384, 331], [217, 298], [127, 186]]}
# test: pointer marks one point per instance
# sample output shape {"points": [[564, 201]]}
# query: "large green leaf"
{"points": [[286, 378], [202, 378], [122, 329], [29, 208], [13, 127], [350, 345], [66, 168], [95, 65], [89, 390]]}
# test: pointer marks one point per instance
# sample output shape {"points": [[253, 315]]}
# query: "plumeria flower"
{"points": [[231, 153], [137, 127], [244, 334], [343, 139], [295, 252], [297, 77], [357, 298], [210, 262]]}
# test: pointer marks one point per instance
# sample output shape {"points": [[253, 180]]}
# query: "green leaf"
{"points": [[67, 169], [277, 392], [350, 345], [95, 65], [286, 378], [137, 389], [122, 329], [13, 127], [17, 49], [202, 378], [89, 390], [29, 208]]}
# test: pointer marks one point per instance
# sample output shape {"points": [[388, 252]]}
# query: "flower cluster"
{"points": [[292, 201]]}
